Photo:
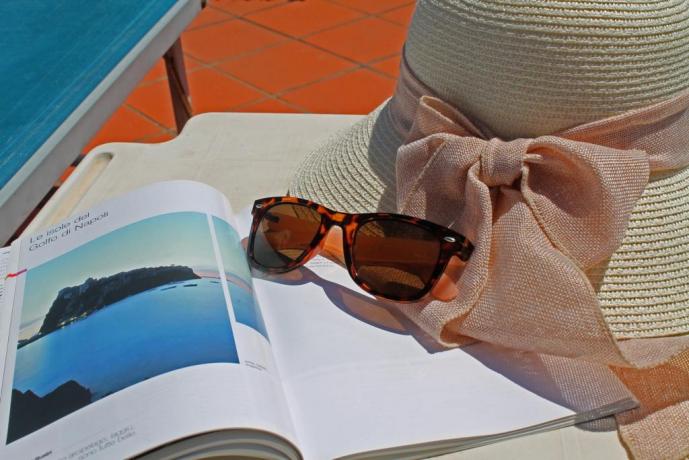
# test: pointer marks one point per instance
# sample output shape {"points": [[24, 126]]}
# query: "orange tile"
{"points": [[285, 66], [65, 174], [209, 15], [158, 71], [304, 17], [374, 6], [268, 106], [161, 136], [154, 101], [401, 16], [363, 40], [390, 66], [357, 92], [125, 125], [227, 39], [241, 7], [213, 92]]}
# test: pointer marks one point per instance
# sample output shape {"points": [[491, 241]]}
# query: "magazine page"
{"points": [[6, 263], [5, 254], [361, 377], [134, 325]]}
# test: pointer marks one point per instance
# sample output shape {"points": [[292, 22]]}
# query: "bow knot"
{"points": [[501, 162], [539, 212]]}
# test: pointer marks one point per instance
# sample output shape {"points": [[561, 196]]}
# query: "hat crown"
{"points": [[526, 68]]}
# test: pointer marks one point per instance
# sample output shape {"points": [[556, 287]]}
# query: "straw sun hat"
{"points": [[529, 68]]}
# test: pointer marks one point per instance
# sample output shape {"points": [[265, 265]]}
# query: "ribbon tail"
{"points": [[550, 307]]}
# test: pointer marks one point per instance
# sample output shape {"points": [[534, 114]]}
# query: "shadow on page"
{"points": [[358, 366]]}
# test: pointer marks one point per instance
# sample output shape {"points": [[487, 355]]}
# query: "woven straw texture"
{"points": [[561, 64], [523, 69], [355, 170], [644, 288]]}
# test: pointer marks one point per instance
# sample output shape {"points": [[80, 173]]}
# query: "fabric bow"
{"points": [[540, 212]]}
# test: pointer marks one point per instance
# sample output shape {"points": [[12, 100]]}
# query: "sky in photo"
{"points": [[170, 239]]}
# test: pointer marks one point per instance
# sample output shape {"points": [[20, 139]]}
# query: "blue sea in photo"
{"points": [[157, 331], [238, 277], [245, 309]]}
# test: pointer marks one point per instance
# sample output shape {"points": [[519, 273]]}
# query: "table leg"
{"points": [[179, 87]]}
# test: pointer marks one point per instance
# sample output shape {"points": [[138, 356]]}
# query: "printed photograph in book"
{"points": [[238, 277], [135, 303]]}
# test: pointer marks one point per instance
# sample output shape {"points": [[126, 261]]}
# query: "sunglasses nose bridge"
{"points": [[331, 243], [337, 218], [347, 223]]}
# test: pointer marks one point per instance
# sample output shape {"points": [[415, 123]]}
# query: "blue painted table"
{"points": [[65, 66]]}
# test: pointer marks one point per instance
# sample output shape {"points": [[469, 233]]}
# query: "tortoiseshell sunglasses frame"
{"points": [[451, 242]]}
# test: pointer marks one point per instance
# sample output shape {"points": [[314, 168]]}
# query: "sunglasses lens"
{"points": [[285, 233], [396, 259]]}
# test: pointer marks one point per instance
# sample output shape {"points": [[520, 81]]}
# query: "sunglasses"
{"points": [[388, 255]]}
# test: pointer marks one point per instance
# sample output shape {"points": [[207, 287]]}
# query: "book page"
{"points": [[4, 267], [361, 377], [134, 325], [4, 263]]}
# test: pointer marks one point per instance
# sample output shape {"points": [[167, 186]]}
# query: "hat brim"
{"points": [[355, 170], [643, 288]]}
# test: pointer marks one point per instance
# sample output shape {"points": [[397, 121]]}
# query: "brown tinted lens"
{"points": [[397, 259], [284, 234]]}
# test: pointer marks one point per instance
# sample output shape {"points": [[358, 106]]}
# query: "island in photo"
{"points": [[133, 304]]}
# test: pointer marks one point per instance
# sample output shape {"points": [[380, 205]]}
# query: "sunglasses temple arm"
{"points": [[464, 249]]}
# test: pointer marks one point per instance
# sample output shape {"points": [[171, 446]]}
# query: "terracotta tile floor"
{"points": [[314, 56]]}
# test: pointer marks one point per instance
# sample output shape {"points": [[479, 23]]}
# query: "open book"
{"points": [[137, 328]]}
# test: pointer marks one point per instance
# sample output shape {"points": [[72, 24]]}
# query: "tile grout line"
{"points": [[325, 29], [147, 117], [281, 92], [278, 94], [356, 66], [292, 105], [284, 35], [401, 5], [378, 14], [241, 15], [267, 95], [300, 38], [230, 17], [150, 136], [237, 56], [297, 39], [196, 62], [325, 78], [233, 16]]}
